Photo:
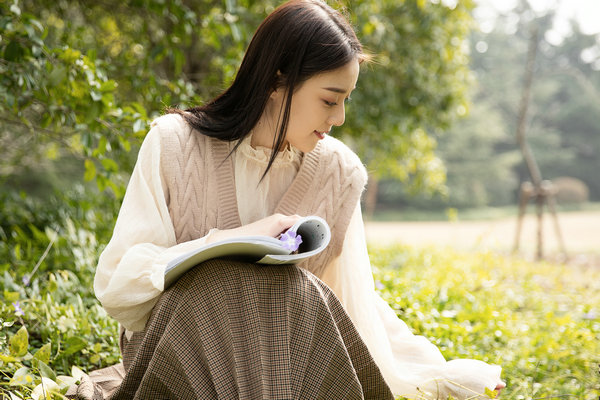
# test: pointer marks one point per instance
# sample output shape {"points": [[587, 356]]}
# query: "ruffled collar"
{"points": [[261, 155]]}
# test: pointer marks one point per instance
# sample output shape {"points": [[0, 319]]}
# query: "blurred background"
{"points": [[483, 160], [435, 118]]}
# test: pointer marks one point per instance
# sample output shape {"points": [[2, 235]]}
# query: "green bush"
{"points": [[50, 318]]}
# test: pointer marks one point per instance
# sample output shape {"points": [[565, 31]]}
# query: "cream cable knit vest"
{"points": [[199, 184]]}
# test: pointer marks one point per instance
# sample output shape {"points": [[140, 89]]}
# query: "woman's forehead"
{"points": [[341, 80]]}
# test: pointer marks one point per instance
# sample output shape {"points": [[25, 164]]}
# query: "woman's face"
{"points": [[318, 105]]}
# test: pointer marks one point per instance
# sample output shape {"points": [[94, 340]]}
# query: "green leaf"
{"points": [[117, 189], [57, 76], [125, 144], [110, 165], [108, 86], [52, 285], [19, 343], [103, 145], [77, 373], [92, 54], [108, 99], [8, 359], [86, 139], [43, 353], [46, 120], [22, 376], [90, 170], [179, 61], [491, 393], [64, 382], [73, 345], [11, 296], [46, 371], [139, 108], [101, 182], [17, 251]]}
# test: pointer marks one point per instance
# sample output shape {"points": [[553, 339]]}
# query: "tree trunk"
{"points": [[532, 166]]}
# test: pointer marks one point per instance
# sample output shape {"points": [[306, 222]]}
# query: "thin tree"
{"points": [[541, 191]]}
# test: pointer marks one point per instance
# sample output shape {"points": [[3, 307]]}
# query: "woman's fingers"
{"points": [[499, 387], [272, 225], [278, 223], [286, 222]]}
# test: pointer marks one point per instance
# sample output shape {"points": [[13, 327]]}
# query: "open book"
{"points": [[315, 235]]}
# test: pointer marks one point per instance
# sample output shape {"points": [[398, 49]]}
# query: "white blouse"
{"points": [[130, 273]]}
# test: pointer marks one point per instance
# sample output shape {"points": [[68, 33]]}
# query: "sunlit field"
{"points": [[540, 321]]}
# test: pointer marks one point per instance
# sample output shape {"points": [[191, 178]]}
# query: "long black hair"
{"points": [[299, 39]]}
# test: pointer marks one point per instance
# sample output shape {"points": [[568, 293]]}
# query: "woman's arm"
{"points": [[130, 273]]}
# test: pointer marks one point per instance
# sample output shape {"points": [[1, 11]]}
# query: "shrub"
{"points": [[571, 190], [50, 318]]}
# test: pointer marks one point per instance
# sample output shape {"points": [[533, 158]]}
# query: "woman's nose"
{"points": [[338, 116]]}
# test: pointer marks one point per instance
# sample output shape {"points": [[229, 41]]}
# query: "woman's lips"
{"points": [[320, 135]]}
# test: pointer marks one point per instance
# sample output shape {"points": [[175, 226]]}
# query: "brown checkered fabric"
{"points": [[231, 330]]}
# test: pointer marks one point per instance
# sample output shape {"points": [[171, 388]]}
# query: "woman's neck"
{"points": [[266, 128]]}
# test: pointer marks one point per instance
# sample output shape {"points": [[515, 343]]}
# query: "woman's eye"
{"points": [[329, 103]]}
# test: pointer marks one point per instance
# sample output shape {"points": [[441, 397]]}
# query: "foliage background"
{"points": [[80, 81], [484, 167], [85, 79]]}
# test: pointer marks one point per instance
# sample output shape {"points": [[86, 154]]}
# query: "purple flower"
{"points": [[18, 310], [290, 240], [590, 316], [26, 280]]}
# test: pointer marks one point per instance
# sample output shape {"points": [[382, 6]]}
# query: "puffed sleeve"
{"points": [[130, 273], [411, 364]]}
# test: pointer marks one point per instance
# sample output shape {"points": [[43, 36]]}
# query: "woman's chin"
{"points": [[305, 147]]}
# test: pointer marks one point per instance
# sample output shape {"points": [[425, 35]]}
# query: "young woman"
{"points": [[250, 162]]}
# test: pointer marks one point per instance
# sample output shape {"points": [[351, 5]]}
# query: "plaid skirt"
{"points": [[232, 330]]}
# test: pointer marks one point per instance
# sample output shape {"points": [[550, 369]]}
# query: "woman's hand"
{"points": [[271, 226], [499, 387]]}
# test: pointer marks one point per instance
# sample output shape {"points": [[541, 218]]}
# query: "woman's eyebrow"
{"points": [[337, 90]]}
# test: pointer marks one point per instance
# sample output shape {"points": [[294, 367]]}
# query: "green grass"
{"points": [[540, 321], [471, 214]]}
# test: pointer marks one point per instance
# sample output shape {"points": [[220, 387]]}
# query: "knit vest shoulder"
{"points": [[198, 177]]}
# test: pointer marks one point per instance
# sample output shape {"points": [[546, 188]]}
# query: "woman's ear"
{"points": [[280, 87], [277, 94]]}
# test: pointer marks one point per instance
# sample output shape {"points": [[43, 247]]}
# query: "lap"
{"points": [[236, 330]]}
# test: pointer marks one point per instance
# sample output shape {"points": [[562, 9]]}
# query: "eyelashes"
{"points": [[331, 104]]}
